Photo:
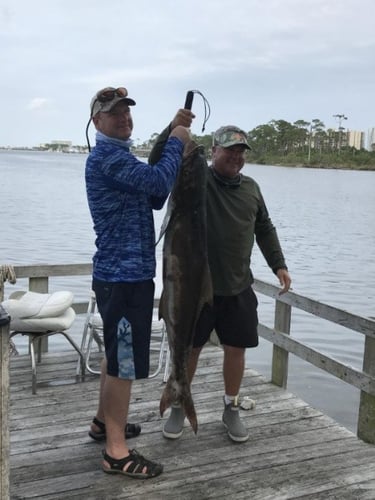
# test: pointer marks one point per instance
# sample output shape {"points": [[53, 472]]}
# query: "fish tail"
{"points": [[189, 409], [175, 392], [167, 398]]}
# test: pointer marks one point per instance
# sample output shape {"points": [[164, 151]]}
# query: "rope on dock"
{"points": [[7, 273]]}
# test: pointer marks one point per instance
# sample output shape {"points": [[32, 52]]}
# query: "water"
{"points": [[325, 221]]}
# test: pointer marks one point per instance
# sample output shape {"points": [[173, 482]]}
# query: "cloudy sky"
{"points": [[254, 60]]}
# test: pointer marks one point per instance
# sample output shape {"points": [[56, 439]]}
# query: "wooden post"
{"points": [[366, 414], [280, 356], [4, 408], [40, 285]]}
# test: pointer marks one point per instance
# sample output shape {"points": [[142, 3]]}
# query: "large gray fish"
{"points": [[187, 283]]}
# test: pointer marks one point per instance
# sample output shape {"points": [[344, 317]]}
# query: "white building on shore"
{"points": [[356, 139], [371, 139]]}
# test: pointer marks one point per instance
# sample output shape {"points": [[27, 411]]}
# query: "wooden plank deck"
{"points": [[294, 451]]}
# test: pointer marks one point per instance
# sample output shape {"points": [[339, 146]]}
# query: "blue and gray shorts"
{"points": [[126, 310]]}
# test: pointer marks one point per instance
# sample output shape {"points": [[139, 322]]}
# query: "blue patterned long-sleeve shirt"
{"points": [[122, 191]]}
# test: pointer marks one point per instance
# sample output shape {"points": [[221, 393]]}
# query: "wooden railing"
{"points": [[283, 344]]}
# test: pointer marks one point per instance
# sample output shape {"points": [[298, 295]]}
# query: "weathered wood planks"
{"points": [[294, 450]]}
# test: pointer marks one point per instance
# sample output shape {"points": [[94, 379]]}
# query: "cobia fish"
{"points": [[186, 278]]}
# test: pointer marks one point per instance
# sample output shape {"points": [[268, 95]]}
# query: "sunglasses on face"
{"points": [[109, 94]]}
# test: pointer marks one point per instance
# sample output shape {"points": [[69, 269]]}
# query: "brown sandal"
{"points": [[135, 469]]}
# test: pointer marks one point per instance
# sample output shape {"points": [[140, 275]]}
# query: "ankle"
{"points": [[231, 400]]}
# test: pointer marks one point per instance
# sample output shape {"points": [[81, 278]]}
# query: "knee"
{"points": [[195, 352], [234, 352]]}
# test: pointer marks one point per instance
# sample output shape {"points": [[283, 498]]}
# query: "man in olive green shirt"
{"points": [[236, 217]]}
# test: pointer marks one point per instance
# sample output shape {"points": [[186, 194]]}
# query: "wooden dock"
{"points": [[294, 450]]}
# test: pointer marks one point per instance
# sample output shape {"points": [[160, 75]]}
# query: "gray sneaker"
{"points": [[174, 426], [231, 419]]}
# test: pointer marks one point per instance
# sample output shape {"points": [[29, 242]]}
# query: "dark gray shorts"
{"points": [[126, 310], [234, 318]]}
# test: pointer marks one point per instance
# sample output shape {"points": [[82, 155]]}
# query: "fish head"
{"points": [[190, 185]]}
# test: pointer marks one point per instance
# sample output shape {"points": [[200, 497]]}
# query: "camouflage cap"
{"points": [[230, 135], [105, 99]]}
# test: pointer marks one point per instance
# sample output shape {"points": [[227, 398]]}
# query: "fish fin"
{"points": [[167, 218]]}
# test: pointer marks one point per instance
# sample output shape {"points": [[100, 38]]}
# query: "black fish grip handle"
{"points": [[189, 99]]}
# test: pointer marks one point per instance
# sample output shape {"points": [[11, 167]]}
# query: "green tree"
{"points": [[263, 139]]}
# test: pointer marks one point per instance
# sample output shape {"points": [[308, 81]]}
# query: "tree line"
{"points": [[300, 143]]}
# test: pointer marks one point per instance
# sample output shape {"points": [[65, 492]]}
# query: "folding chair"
{"points": [[93, 333], [39, 315]]}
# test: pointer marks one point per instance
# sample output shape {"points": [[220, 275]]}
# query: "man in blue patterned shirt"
{"points": [[122, 192]]}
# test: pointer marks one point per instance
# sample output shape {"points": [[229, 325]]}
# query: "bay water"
{"points": [[325, 221]]}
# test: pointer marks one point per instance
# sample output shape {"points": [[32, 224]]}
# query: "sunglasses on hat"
{"points": [[107, 95]]}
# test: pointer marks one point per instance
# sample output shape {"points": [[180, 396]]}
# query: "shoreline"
{"points": [[143, 154]]}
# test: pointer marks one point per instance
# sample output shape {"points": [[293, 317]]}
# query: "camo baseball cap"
{"points": [[230, 135], [105, 99]]}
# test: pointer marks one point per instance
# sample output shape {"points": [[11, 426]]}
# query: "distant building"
{"points": [[356, 139], [371, 139], [63, 146], [66, 144]]}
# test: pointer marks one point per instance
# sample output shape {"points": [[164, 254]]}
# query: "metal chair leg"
{"points": [[80, 354], [39, 347], [86, 327], [33, 366], [88, 352], [161, 355], [87, 335], [36, 357]]}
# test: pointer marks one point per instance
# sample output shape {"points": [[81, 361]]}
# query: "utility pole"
{"points": [[310, 134], [340, 118]]}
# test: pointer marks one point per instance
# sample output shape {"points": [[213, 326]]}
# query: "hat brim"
{"points": [[111, 104], [234, 143], [106, 107]]}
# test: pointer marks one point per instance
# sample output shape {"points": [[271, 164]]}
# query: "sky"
{"points": [[254, 61]]}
